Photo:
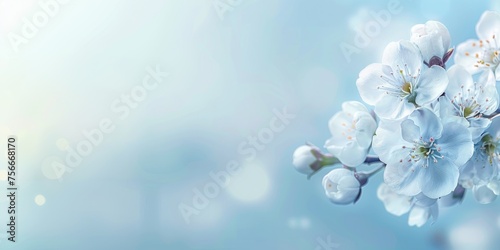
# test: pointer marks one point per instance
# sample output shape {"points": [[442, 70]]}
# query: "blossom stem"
{"points": [[311, 174], [323, 161], [329, 159], [493, 115], [364, 176], [315, 171], [376, 170], [349, 168], [372, 159]]}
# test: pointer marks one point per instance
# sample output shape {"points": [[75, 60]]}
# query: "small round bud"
{"points": [[341, 186], [303, 158]]}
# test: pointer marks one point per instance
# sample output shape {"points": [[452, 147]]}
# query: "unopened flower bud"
{"points": [[433, 40], [341, 186], [308, 159]]}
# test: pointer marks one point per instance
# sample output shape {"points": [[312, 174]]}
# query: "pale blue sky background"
{"points": [[226, 76]]}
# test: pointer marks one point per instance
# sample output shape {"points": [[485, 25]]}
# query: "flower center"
{"points": [[467, 111], [406, 87], [401, 83], [466, 102], [426, 151], [494, 56], [490, 146], [491, 54]]}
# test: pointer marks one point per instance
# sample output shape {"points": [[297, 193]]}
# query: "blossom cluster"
{"points": [[433, 131]]}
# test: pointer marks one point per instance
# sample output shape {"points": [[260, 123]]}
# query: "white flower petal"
{"points": [[494, 128], [365, 128], [353, 107], [432, 38], [434, 211], [477, 127], [440, 179], [459, 78], [352, 131], [467, 54], [497, 73], [332, 147], [418, 216], [428, 122], [410, 131], [334, 177], [370, 78], [388, 143], [424, 201], [453, 198], [338, 125], [393, 108], [448, 111], [348, 184], [448, 117], [488, 98], [352, 154], [394, 203], [433, 82], [494, 186], [402, 55], [456, 143], [488, 25], [483, 194], [404, 176]]}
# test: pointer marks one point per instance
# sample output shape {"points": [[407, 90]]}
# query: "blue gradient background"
{"points": [[226, 77]]}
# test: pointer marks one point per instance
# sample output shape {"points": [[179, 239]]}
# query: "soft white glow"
{"points": [[251, 184], [305, 223], [3, 175], [40, 200], [210, 217], [470, 237], [62, 144], [12, 12], [299, 223], [359, 19]]}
